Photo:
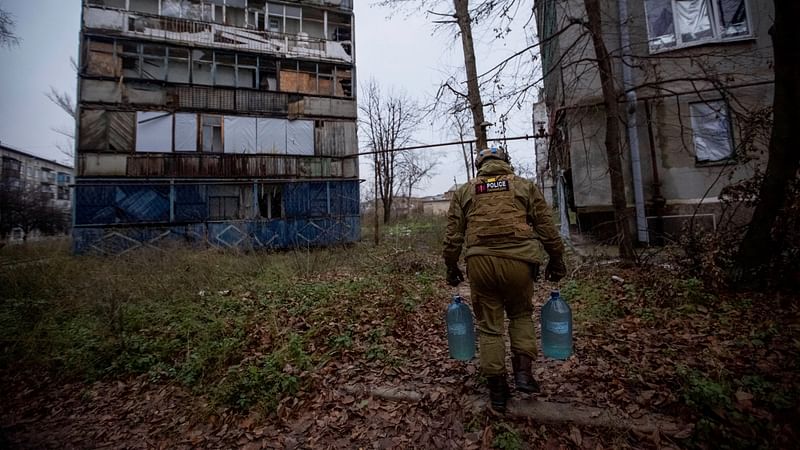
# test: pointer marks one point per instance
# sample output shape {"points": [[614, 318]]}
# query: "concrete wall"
{"points": [[670, 81]]}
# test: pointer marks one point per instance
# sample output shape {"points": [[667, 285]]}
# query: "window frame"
{"points": [[716, 28], [730, 129]]}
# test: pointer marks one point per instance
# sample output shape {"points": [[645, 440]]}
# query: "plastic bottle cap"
{"points": [[555, 293], [457, 299]]}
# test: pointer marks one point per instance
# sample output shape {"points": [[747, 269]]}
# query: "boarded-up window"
{"points": [[223, 207], [240, 134], [300, 137], [711, 128], [271, 135], [107, 130], [185, 132], [153, 132], [102, 59]]}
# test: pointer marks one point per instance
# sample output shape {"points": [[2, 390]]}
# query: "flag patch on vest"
{"points": [[492, 185]]}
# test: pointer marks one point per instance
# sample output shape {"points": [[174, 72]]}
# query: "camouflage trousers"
{"points": [[501, 286]]}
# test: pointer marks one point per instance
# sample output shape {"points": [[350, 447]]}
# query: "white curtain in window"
{"points": [[271, 136], [300, 137], [711, 130], [240, 134], [153, 132], [693, 20], [185, 132]]}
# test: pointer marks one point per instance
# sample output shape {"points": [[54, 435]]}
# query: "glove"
{"points": [[555, 269], [454, 276]]}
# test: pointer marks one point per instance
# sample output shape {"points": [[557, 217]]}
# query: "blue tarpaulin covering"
{"points": [[111, 219]]}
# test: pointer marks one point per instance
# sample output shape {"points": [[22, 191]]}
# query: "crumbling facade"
{"points": [[229, 123], [694, 82]]}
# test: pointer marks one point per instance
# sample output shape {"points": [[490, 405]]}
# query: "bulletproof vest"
{"points": [[494, 216]]}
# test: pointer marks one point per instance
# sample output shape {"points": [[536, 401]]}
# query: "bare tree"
{"points": [[388, 122], [8, 37], [415, 168], [612, 140], [29, 207], [67, 104], [760, 244]]}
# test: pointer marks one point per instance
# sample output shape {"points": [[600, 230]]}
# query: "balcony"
{"points": [[192, 32]]}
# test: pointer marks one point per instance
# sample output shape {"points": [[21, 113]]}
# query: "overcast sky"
{"points": [[401, 51]]}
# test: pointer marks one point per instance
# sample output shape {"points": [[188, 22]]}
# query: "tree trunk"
{"points": [[758, 246], [612, 141], [473, 91]]}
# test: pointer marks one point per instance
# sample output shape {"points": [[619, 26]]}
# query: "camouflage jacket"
{"points": [[528, 204]]}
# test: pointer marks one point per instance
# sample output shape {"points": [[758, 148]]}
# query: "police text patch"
{"points": [[492, 186]]}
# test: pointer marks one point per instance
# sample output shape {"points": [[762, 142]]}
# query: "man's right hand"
{"points": [[555, 270], [454, 276]]}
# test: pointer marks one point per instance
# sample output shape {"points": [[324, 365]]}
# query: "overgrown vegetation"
{"points": [[269, 332], [245, 329]]}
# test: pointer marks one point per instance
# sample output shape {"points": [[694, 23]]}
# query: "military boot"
{"points": [[498, 392], [523, 377]]}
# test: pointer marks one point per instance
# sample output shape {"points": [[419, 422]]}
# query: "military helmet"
{"points": [[491, 153]]}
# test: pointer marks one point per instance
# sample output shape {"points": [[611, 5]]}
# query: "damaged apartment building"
{"points": [[228, 123], [692, 77]]}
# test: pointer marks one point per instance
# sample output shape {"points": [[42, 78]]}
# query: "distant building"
{"points": [[25, 180], [437, 205], [401, 207], [229, 123]]}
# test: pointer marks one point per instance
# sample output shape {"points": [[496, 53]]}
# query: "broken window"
{"points": [[339, 27], [108, 3], [711, 128], [153, 131], [676, 23], [224, 69], [314, 22], [270, 201], [202, 64], [325, 79], [185, 132], [268, 74], [154, 62], [144, 6], [235, 13], [223, 207], [256, 14], [284, 19], [218, 8], [131, 60], [344, 82], [178, 65], [212, 134], [246, 71]]}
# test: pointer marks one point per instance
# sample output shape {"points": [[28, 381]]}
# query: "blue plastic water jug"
{"points": [[556, 320], [460, 330]]}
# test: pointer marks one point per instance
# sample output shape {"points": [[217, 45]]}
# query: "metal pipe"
{"points": [[633, 136]]}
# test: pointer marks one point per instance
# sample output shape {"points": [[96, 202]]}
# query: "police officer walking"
{"points": [[504, 221]]}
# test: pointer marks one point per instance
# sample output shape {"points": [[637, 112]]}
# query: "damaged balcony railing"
{"points": [[188, 31]]}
